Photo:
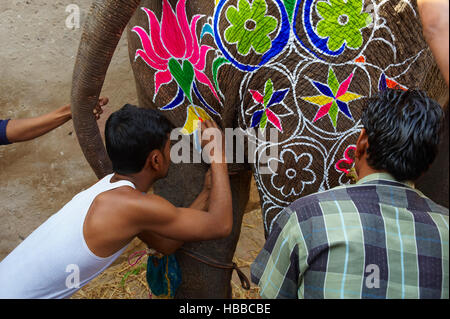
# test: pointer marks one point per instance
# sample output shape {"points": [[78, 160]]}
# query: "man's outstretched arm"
{"points": [[21, 130], [168, 246], [434, 17], [155, 214]]}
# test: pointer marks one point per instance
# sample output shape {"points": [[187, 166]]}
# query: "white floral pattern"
{"points": [[293, 169]]}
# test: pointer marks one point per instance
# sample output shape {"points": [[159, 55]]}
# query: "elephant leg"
{"points": [[200, 280]]}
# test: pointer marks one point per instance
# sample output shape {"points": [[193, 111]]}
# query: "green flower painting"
{"points": [[250, 27], [342, 21]]}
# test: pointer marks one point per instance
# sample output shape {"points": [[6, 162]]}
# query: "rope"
{"points": [[141, 254], [245, 283]]}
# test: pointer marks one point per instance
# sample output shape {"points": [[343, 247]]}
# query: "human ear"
{"points": [[152, 161], [148, 162], [362, 144], [157, 160]]}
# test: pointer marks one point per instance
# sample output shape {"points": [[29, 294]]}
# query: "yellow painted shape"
{"points": [[195, 115], [318, 100], [191, 120], [347, 97], [202, 113]]}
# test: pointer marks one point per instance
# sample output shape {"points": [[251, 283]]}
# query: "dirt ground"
{"points": [[37, 58], [38, 177]]}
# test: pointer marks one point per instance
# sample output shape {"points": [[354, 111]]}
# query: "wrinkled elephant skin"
{"points": [[303, 69]]}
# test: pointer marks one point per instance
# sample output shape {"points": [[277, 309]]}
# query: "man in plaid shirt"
{"points": [[380, 238]]}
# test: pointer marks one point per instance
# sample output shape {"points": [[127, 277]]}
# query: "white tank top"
{"points": [[55, 261]]}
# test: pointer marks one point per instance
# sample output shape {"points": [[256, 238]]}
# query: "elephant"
{"points": [[301, 68]]}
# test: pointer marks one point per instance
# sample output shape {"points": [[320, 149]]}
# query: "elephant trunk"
{"points": [[101, 34]]}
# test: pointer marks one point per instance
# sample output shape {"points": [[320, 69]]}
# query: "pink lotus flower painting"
{"points": [[172, 48]]}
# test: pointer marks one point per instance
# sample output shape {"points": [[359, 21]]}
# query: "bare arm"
{"points": [[163, 245], [188, 224], [434, 17], [21, 130], [168, 246]]}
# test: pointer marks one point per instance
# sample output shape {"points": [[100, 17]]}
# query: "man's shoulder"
{"points": [[313, 205], [366, 195], [339, 193], [131, 202], [122, 198], [427, 204]]}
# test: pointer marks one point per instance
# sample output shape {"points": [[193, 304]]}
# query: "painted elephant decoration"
{"points": [[303, 68]]}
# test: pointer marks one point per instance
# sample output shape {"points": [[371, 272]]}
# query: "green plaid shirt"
{"points": [[376, 239]]}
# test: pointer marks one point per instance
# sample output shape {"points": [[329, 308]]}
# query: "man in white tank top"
{"points": [[84, 238]]}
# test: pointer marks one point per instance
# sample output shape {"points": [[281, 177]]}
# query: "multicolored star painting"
{"points": [[334, 99], [270, 98]]}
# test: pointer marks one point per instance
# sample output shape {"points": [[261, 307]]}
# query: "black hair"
{"points": [[403, 129], [131, 134]]}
